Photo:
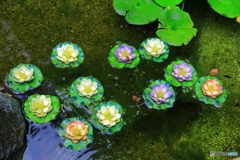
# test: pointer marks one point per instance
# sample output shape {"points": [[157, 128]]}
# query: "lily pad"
{"points": [[138, 12], [166, 3], [229, 8], [175, 26]]}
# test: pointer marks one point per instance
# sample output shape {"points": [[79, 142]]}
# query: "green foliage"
{"points": [[229, 8], [138, 12], [166, 3], [175, 26]]}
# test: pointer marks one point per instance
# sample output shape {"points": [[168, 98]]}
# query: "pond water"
{"points": [[190, 130]]}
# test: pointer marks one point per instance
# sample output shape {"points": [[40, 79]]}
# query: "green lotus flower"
{"points": [[208, 97], [77, 133], [41, 108], [155, 49], [67, 54], [24, 77], [180, 73], [159, 95], [85, 90], [123, 55], [107, 117]]}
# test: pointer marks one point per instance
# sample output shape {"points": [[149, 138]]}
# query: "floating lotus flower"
{"points": [[123, 55], [160, 95], [41, 108], [107, 117], [209, 90], [155, 49], [24, 77], [67, 54], [84, 90], [179, 72], [77, 133]]}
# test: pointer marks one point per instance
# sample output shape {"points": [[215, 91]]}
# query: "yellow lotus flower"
{"points": [[87, 88], [67, 54], [23, 74], [40, 106], [108, 116], [211, 88], [154, 47], [76, 131]]}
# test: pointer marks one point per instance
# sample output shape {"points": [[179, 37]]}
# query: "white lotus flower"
{"points": [[87, 88], [23, 74], [154, 47], [108, 116], [67, 54], [40, 106]]}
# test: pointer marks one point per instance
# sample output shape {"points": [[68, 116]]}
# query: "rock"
{"points": [[13, 127]]}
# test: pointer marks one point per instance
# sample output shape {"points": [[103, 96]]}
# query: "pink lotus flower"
{"points": [[76, 131], [211, 88]]}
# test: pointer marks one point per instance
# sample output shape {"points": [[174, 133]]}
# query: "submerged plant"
{"points": [[41, 108], [159, 95], [24, 77], [181, 73], [107, 117], [176, 26], [67, 54], [137, 12], [210, 90], [155, 49], [77, 133], [123, 55], [85, 90]]}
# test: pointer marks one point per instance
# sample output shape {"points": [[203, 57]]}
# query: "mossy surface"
{"points": [[30, 29]]}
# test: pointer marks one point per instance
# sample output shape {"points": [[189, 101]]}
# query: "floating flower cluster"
{"points": [[155, 49], [107, 117], [67, 54], [160, 95], [41, 108], [210, 90], [123, 55], [85, 90], [24, 77], [179, 72], [77, 133]]}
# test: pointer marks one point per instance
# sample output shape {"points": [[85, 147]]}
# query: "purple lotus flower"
{"points": [[125, 54], [160, 93], [182, 71]]}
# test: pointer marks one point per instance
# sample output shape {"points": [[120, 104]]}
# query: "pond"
{"points": [[190, 130]]}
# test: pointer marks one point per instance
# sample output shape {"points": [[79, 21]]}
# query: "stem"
{"points": [[183, 4]]}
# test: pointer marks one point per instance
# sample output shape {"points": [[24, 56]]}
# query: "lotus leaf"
{"points": [[229, 8], [175, 26], [166, 3], [137, 12]]}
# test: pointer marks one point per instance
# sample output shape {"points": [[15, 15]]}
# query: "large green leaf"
{"points": [[230, 8], [138, 12], [175, 26], [166, 3]]}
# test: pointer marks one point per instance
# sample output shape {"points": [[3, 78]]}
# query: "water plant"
{"points": [[228, 8], [175, 31], [85, 90], [107, 117], [155, 49], [41, 108], [166, 3], [24, 77], [159, 95], [137, 12], [77, 133], [181, 73], [210, 90], [123, 55], [67, 54]]}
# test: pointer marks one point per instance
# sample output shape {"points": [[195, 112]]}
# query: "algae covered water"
{"points": [[190, 130]]}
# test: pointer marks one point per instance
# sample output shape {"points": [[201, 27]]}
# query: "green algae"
{"points": [[30, 29]]}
